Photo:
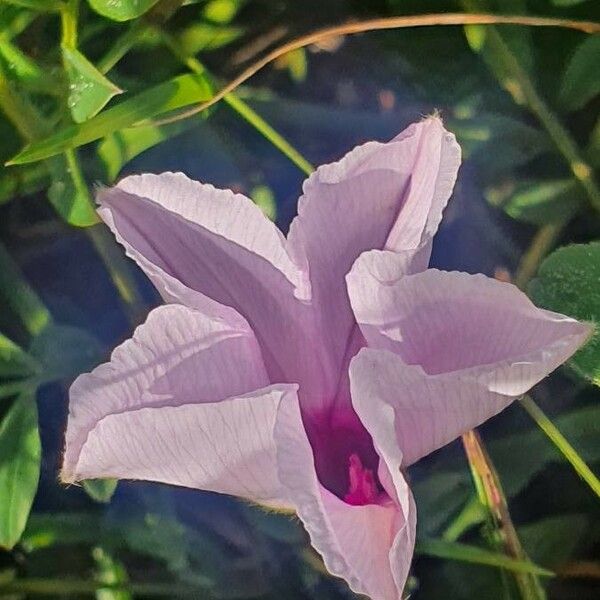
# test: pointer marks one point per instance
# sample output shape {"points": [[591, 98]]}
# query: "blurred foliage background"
{"points": [[83, 86]]}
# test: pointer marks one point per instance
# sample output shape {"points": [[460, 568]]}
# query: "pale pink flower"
{"points": [[255, 379]]}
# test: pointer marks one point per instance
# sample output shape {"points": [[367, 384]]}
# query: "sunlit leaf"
{"points": [[89, 90], [539, 202], [100, 490], [20, 455], [568, 281], [121, 10], [581, 81], [173, 94]]}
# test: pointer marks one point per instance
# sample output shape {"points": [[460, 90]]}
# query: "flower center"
{"points": [[362, 488]]}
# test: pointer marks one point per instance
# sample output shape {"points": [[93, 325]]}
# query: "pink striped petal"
{"points": [[215, 250], [178, 356], [225, 446], [465, 345], [380, 195], [370, 546]]}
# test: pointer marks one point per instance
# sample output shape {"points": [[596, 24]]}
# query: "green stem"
{"points": [[25, 120], [122, 46], [491, 494], [20, 296], [59, 587], [563, 445], [116, 265], [543, 241], [243, 109], [523, 87]]}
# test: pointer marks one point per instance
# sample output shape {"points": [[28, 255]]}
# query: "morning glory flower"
{"points": [[307, 372]]}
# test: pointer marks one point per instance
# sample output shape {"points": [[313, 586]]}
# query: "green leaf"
{"points": [[111, 573], [20, 452], [121, 10], [551, 541], [581, 80], [173, 94], [14, 361], [89, 90], [439, 497], [221, 11], [100, 490], [568, 282], [539, 202], [28, 73], [204, 36], [65, 351], [68, 193], [474, 554], [118, 148], [581, 427]]}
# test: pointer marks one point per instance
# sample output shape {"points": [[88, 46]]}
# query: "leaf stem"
{"points": [[492, 496], [561, 443], [243, 109], [543, 241]]}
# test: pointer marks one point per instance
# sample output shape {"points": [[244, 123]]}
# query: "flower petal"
{"points": [[427, 411], [178, 356], [380, 195], [215, 250], [451, 321], [225, 446], [369, 546]]}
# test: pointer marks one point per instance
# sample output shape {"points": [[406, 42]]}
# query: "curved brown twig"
{"points": [[378, 25]]}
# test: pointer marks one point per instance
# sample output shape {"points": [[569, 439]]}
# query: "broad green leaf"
{"points": [[568, 282], [539, 202], [14, 361], [204, 36], [20, 456], [68, 194], [173, 94], [581, 80], [118, 148], [121, 10], [552, 540], [264, 198], [65, 351], [100, 490], [89, 90], [474, 554]]}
